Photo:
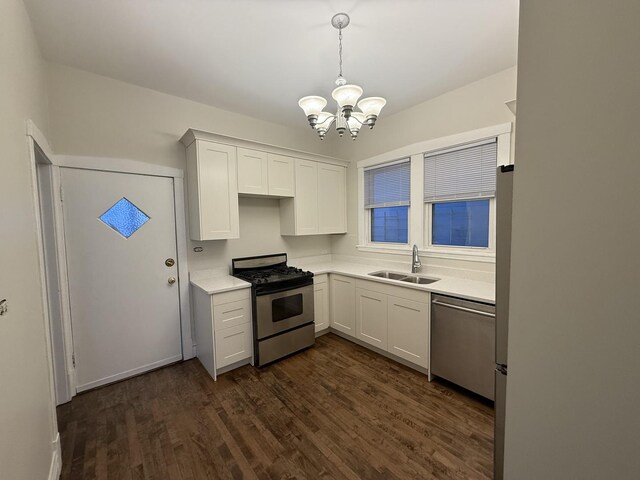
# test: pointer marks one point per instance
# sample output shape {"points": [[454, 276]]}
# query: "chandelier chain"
{"points": [[340, 47]]}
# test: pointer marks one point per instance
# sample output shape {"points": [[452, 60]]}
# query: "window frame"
{"points": [[429, 247], [367, 211], [418, 227]]}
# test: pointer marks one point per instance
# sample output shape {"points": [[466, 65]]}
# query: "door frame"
{"points": [[118, 165]]}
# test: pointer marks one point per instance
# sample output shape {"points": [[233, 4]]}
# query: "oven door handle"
{"points": [[283, 289]]}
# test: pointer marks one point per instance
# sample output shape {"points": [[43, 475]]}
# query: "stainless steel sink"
{"points": [[404, 277], [419, 280], [389, 275]]}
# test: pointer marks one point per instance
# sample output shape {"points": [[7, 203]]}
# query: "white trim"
{"points": [[32, 146], [65, 298], [34, 132], [191, 135], [438, 144], [55, 467], [129, 373], [118, 165], [188, 350]]}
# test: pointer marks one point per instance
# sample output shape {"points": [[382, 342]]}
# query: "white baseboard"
{"points": [[56, 460]]}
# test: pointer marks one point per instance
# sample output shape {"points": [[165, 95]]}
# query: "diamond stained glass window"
{"points": [[124, 217]]}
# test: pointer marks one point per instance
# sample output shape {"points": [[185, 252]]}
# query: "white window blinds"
{"points": [[462, 173], [387, 186]]}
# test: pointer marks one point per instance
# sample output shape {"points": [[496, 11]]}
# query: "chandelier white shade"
{"points": [[346, 96]]}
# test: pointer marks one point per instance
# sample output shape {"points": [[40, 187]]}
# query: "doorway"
{"points": [[117, 295]]}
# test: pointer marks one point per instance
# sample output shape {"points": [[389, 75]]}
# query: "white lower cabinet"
{"points": [[392, 318], [321, 302], [371, 317], [233, 344], [223, 328], [408, 329], [343, 304]]}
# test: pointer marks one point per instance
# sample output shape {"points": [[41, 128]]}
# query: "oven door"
{"points": [[282, 311]]}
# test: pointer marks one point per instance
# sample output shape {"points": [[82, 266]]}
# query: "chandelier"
{"points": [[346, 96]]}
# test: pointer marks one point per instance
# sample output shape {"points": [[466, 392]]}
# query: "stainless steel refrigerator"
{"points": [[504, 196]]}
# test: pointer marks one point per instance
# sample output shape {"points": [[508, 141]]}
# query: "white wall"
{"points": [[27, 417], [479, 104], [98, 116], [573, 398]]}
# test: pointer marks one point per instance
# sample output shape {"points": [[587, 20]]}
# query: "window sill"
{"points": [[482, 257], [466, 254], [391, 248]]}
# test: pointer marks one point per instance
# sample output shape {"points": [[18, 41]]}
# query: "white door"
{"points": [[409, 330], [125, 308]]}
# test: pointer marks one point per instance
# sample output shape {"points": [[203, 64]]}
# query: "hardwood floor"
{"points": [[336, 411]]}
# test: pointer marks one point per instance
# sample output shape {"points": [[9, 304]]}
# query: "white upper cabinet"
{"points": [[262, 173], [213, 191], [320, 204], [253, 176], [281, 176], [332, 198], [311, 187]]}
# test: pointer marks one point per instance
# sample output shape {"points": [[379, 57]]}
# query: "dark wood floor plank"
{"points": [[336, 411]]}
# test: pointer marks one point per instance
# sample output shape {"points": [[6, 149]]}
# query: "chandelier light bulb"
{"points": [[355, 122], [347, 97], [371, 108], [312, 106]]}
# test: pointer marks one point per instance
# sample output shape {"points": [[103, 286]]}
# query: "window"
{"points": [[386, 199], [462, 224], [459, 187]]}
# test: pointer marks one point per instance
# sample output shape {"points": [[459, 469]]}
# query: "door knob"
{"points": [[169, 262], [171, 280]]}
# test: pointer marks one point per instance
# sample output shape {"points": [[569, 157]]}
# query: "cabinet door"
{"points": [[213, 199], [371, 317], [409, 330], [281, 176], [343, 304], [321, 306], [332, 199], [306, 200], [252, 172], [233, 344]]}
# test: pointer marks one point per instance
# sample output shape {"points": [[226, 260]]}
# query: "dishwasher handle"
{"points": [[464, 309]]}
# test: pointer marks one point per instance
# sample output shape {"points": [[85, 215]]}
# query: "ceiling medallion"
{"points": [[346, 96]]}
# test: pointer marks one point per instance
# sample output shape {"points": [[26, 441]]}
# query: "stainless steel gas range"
{"points": [[282, 306]]}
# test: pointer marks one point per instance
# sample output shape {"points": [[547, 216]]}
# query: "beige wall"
{"points": [[479, 104], [27, 418], [574, 343], [98, 116]]}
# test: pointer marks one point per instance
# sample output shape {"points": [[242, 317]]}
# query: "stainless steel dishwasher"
{"points": [[463, 343]]}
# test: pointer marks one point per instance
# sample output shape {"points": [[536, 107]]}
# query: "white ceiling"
{"points": [[258, 57]]}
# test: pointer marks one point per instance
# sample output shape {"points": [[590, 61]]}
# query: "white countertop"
{"points": [[218, 283], [459, 287]]}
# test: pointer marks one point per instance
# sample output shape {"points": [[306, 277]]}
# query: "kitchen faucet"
{"points": [[416, 264]]}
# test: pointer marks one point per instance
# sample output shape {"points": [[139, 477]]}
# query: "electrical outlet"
{"points": [[4, 308]]}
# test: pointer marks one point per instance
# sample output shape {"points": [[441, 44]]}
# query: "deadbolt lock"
{"points": [[171, 280], [169, 262]]}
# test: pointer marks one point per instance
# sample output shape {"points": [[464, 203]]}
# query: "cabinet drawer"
{"points": [[233, 344], [318, 279], [231, 314], [232, 296]]}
